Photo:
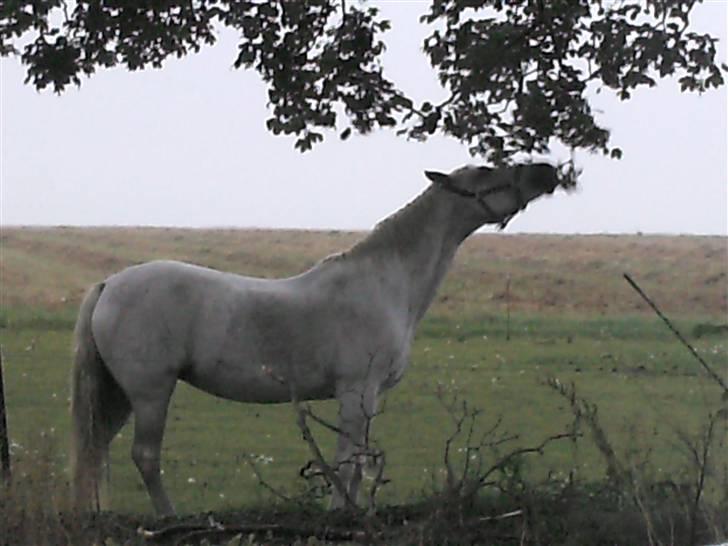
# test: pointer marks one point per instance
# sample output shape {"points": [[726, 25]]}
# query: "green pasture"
{"points": [[647, 386]]}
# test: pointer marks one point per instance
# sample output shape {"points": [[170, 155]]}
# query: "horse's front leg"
{"points": [[356, 412]]}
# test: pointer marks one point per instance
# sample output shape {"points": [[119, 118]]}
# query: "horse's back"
{"points": [[156, 307], [166, 271], [163, 288], [219, 330]]}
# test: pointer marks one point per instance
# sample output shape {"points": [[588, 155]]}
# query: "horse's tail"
{"points": [[99, 408]]}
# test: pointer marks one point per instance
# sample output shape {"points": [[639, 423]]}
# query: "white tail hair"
{"points": [[99, 408]]}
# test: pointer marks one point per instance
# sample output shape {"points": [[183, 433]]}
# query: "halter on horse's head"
{"points": [[488, 187]]}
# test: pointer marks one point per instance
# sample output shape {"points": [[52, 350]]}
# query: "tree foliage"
{"points": [[516, 72]]}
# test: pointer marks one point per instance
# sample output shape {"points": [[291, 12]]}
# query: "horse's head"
{"points": [[498, 194]]}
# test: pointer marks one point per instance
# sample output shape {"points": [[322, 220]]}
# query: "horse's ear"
{"points": [[437, 177]]}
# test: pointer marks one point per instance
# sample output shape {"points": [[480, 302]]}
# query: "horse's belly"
{"points": [[258, 384]]}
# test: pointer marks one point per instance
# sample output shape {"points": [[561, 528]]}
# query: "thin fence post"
{"points": [[4, 440], [508, 307]]}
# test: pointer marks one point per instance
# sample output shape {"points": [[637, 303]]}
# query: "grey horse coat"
{"points": [[341, 330]]}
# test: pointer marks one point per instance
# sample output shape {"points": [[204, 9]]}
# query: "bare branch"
{"points": [[251, 462], [318, 456]]}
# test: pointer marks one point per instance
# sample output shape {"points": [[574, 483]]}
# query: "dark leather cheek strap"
{"points": [[446, 184], [480, 198]]}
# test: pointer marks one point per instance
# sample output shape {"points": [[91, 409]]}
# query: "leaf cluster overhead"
{"points": [[517, 72]]}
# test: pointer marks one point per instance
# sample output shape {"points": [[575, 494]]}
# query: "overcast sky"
{"points": [[187, 146]]}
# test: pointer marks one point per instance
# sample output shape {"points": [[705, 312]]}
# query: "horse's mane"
{"points": [[396, 230]]}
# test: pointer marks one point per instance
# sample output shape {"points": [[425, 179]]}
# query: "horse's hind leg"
{"points": [[150, 413]]}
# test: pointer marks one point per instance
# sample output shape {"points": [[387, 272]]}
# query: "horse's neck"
{"points": [[413, 249]]}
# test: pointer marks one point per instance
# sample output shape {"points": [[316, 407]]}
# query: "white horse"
{"points": [[341, 330]]}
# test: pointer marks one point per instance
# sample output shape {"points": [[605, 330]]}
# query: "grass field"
{"points": [[571, 316]]}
